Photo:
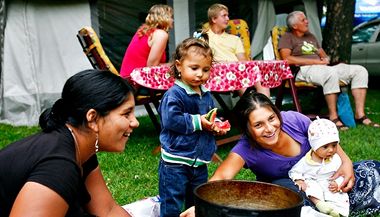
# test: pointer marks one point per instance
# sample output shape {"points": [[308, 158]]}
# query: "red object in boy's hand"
{"points": [[223, 125]]}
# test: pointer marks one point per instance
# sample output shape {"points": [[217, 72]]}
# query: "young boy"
{"points": [[187, 137]]}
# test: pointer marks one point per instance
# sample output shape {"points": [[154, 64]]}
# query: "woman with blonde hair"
{"points": [[147, 47]]}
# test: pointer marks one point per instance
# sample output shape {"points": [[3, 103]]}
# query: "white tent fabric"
{"points": [[312, 15], [268, 53], [266, 20], [41, 51]]}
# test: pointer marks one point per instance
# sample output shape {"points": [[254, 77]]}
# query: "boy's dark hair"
{"points": [[196, 45]]}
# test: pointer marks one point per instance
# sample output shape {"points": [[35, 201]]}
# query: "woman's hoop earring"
{"points": [[96, 143]]}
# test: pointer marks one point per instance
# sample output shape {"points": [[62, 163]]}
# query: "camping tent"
{"points": [[40, 51], [39, 48]]}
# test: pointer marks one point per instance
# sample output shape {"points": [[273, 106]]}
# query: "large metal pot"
{"points": [[246, 198]]}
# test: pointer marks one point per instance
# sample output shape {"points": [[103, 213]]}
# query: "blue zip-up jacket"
{"points": [[182, 138]]}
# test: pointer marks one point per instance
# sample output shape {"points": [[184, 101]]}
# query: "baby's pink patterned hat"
{"points": [[321, 132]]}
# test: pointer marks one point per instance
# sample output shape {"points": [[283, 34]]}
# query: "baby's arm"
{"points": [[334, 184], [296, 174], [301, 184]]}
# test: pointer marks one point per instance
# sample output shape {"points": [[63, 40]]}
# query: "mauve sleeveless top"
{"points": [[267, 165]]}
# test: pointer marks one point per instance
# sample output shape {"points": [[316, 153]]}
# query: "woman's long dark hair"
{"points": [[89, 89], [249, 102]]}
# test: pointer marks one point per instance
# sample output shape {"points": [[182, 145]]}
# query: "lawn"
{"points": [[132, 175]]}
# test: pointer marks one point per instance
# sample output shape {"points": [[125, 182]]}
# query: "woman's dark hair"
{"points": [[89, 89], [249, 102]]}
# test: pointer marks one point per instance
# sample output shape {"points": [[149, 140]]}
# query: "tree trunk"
{"points": [[337, 34]]}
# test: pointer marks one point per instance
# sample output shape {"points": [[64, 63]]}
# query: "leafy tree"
{"points": [[337, 34]]}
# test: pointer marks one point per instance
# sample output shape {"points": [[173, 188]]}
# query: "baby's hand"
{"points": [[333, 186], [301, 184]]}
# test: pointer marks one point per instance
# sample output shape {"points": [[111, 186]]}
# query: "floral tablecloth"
{"points": [[226, 76]]}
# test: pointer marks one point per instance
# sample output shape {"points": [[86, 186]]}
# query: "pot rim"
{"points": [[197, 197]]}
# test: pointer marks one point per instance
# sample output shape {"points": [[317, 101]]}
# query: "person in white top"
{"points": [[312, 173]]}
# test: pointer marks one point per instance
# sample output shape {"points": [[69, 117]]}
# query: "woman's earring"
{"points": [[96, 143], [179, 75]]}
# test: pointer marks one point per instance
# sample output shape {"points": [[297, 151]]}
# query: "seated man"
{"points": [[226, 47], [300, 47]]}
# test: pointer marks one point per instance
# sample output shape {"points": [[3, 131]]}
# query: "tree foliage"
{"points": [[337, 34]]}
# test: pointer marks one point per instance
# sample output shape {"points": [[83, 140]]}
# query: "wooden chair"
{"points": [[94, 50], [99, 60]]}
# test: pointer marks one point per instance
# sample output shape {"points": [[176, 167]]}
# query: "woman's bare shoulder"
{"points": [[160, 33]]}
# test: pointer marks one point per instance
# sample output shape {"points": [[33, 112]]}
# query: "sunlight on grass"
{"points": [[133, 174]]}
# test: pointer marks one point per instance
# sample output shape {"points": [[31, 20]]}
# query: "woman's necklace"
{"points": [[77, 151]]}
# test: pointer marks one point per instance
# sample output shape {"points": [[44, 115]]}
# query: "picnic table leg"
{"points": [[216, 158]]}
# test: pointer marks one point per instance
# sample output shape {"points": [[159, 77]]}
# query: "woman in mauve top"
{"points": [[147, 47], [274, 141], [271, 144]]}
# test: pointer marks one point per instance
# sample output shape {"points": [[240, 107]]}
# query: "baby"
{"points": [[312, 173]]}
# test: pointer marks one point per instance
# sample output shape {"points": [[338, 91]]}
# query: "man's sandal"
{"points": [[340, 127], [371, 123]]}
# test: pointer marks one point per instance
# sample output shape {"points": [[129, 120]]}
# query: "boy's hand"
{"points": [[219, 132], [206, 124], [212, 127]]}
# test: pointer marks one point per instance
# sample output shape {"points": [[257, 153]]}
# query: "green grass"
{"points": [[133, 175]]}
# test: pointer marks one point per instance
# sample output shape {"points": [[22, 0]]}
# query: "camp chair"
{"points": [[240, 28], [294, 87], [99, 60]]}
